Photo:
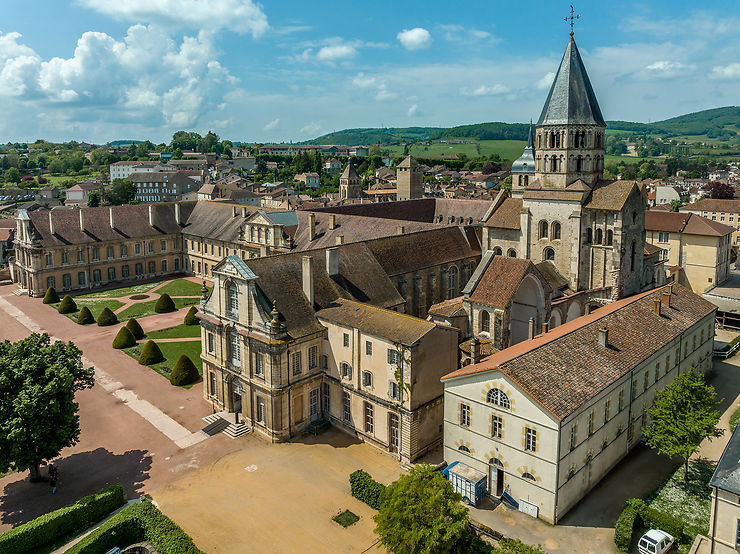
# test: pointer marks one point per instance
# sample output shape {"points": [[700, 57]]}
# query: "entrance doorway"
{"points": [[314, 404], [393, 432], [495, 477]]}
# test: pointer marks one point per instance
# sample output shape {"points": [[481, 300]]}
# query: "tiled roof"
{"points": [[650, 249], [394, 326], [447, 308], [689, 223], [552, 276], [486, 347], [713, 205], [564, 368], [610, 195], [217, 221], [699, 225], [500, 281], [565, 195], [507, 215], [421, 209]]}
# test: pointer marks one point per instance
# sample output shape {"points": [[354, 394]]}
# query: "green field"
{"points": [[122, 292], [181, 287], [181, 331], [95, 306], [171, 351], [143, 309], [506, 149]]}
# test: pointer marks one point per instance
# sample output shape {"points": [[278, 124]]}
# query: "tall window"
{"points": [[211, 343], [297, 363], [50, 282], [164, 266], [124, 251], [325, 397], [499, 398], [347, 410], [67, 281], [599, 236], [81, 278], [212, 382], [555, 230], [393, 356], [48, 260], [465, 415], [606, 410], [80, 256], [313, 357], [394, 390], [152, 267], [346, 370], [259, 364], [345, 340], [124, 271], [368, 348], [543, 229], [451, 282], [589, 236], [233, 300], [573, 436], [497, 426], [590, 423], [95, 253], [65, 258], [549, 254], [109, 252], [235, 352], [137, 249], [96, 276], [609, 237], [260, 409], [111, 273], [369, 416], [367, 379], [632, 255], [620, 404], [485, 322], [530, 440]]}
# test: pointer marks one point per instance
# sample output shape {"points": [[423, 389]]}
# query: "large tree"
{"points": [[716, 189], [38, 412], [684, 414], [121, 191], [421, 513]]}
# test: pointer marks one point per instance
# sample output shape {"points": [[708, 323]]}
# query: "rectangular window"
{"points": [[324, 361], [573, 437], [175, 244], [111, 273], [497, 426], [646, 381], [124, 251], [163, 245], [137, 249], [81, 278], [737, 534], [368, 348], [393, 356], [95, 253], [347, 415], [297, 363], [663, 236], [346, 340], [80, 256], [346, 370], [65, 258], [590, 423], [369, 416], [164, 266], [606, 410], [109, 252], [177, 264], [394, 391], [139, 270], [152, 268], [211, 343], [312, 357], [124, 271], [621, 400], [259, 365], [465, 415], [634, 389], [50, 282], [325, 398], [213, 383], [530, 440], [67, 281], [367, 379], [260, 409], [235, 352], [48, 260], [150, 247]]}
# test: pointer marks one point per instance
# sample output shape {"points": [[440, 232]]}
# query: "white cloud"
{"points": [[669, 69], [458, 33], [378, 86], [336, 52], [415, 39], [484, 90], [311, 128], [242, 16], [545, 82], [726, 72], [271, 125], [414, 111]]}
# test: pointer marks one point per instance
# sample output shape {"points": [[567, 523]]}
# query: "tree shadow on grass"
{"points": [[79, 475]]}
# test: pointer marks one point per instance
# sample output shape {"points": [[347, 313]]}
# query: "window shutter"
{"points": [[390, 356]]}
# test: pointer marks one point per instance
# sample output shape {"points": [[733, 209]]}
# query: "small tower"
{"points": [[409, 180], [349, 184], [522, 170]]}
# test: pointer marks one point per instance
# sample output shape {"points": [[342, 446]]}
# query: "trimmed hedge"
{"points": [[625, 527], [51, 296], [85, 316], [136, 523], [637, 513], [150, 354], [107, 317], [184, 371], [48, 528], [190, 318], [67, 305], [135, 328], [363, 487], [165, 304], [124, 339], [655, 519]]}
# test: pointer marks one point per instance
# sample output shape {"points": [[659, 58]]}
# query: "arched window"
{"points": [[599, 236], [451, 282], [555, 230], [579, 163], [511, 253], [463, 448], [496, 462], [497, 251], [589, 236], [549, 254], [521, 180], [609, 237], [499, 398], [251, 234], [485, 322], [267, 235], [553, 164], [528, 476], [259, 234], [543, 229], [233, 305], [526, 180]]}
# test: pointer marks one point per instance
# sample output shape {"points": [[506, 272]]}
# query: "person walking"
{"points": [[53, 472]]}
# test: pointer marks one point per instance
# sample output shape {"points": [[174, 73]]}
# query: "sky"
{"points": [[290, 70]]}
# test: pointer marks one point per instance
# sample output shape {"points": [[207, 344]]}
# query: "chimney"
{"points": [[51, 223], [234, 211], [339, 239], [263, 251], [151, 215], [110, 214], [332, 261], [666, 297], [400, 229], [332, 221], [244, 212], [307, 262], [545, 328], [82, 220], [474, 350], [531, 328], [656, 305], [604, 337], [311, 226]]}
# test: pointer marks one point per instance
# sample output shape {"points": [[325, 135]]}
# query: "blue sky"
{"points": [[100, 70]]}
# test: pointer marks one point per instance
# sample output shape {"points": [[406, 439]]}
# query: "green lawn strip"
{"points": [[734, 420], [140, 288], [171, 351], [181, 331], [181, 287], [96, 306], [143, 309]]}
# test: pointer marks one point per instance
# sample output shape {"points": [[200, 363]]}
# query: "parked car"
{"points": [[655, 541]]}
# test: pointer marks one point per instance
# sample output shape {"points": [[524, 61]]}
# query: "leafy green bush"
{"points": [[734, 420], [184, 371], [51, 527], [136, 523], [730, 344], [655, 519], [150, 354], [135, 328], [85, 316], [190, 318], [67, 305], [625, 527], [51, 296], [107, 317], [365, 488], [164, 304], [636, 508], [124, 339]]}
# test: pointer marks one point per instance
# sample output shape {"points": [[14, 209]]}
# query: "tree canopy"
{"points": [[684, 414], [720, 190], [38, 412], [121, 191]]}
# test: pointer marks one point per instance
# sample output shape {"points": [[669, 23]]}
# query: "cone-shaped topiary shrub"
{"points": [[184, 371], [67, 305], [135, 329], [165, 304], [124, 338], [85, 316], [51, 296], [190, 318], [150, 354], [107, 317]]}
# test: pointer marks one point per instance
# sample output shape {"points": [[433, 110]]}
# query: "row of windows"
{"points": [[97, 274], [109, 252], [545, 230], [497, 425], [511, 253], [598, 237]]}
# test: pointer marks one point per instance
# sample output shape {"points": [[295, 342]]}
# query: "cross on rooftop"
{"points": [[572, 18]]}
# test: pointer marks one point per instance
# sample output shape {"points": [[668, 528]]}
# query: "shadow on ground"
{"points": [[330, 435], [79, 475]]}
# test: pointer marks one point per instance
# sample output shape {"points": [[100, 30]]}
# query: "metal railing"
{"points": [[726, 353]]}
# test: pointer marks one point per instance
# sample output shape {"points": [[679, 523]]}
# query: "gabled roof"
{"points": [[713, 205], [610, 195], [507, 215], [241, 267], [571, 99], [499, 281], [448, 308], [690, 223]]}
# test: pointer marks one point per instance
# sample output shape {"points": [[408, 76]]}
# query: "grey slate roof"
{"points": [[571, 99], [525, 163], [727, 474]]}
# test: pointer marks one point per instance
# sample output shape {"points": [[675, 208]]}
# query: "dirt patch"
{"points": [[138, 297]]}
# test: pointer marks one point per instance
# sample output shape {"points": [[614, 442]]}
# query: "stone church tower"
{"points": [[409, 180], [350, 185]]}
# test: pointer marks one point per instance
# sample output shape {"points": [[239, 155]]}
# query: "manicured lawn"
{"points": [[171, 351], [346, 518], [181, 331], [123, 291], [143, 309], [96, 306], [181, 287]]}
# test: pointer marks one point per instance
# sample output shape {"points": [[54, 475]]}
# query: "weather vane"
{"points": [[572, 18]]}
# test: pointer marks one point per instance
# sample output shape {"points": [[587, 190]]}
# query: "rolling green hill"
{"points": [[390, 135]]}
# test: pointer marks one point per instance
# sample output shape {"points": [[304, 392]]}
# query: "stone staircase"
{"points": [[225, 422], [236, 430]]}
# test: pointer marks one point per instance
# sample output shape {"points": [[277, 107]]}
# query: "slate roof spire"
{"points": [[571, 100], [525, 162]]}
